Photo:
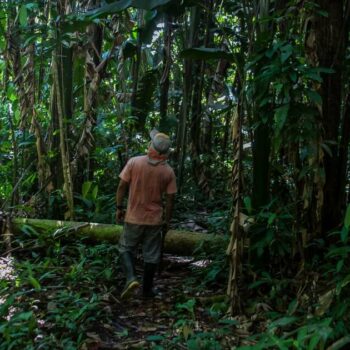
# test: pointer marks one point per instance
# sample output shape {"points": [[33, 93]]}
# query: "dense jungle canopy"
{"points": [[255, 98]]}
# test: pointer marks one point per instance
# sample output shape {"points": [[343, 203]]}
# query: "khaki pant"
{"points": [[149, 236]]}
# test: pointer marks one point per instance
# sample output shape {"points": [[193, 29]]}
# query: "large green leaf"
{"points": [[281, 114], [314, 96], [151, 18], [347, 218], [118, 6], [23, 16], [148, 4], [206, 53], [129, 48], [144, 97]]}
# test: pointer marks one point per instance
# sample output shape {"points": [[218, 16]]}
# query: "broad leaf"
{"points": [[86, 188], [149, 4], [281, 114], [144, 97], [118, 6], [23, 16], [34, 282], [206, 53], [314, 97], [286, 52], [129, 48], [347, 217], [94, 192], [283, 321]]}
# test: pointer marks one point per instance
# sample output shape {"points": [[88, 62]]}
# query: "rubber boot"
{"points": [[131, 283], [148, 275]]}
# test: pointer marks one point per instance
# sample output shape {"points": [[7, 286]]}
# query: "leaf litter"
{"points": [[77, 300]]}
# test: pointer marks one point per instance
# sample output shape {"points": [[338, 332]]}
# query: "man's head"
{"points": [[160, 142]]}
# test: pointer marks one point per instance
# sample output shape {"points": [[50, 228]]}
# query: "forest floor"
{"points": [[60, 292], [86, 306], [179, 317]]}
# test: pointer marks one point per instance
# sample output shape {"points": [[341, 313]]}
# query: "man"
{"points": [[148, 178]]}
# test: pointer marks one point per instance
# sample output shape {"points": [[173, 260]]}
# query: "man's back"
{"points": [[147, 183]]}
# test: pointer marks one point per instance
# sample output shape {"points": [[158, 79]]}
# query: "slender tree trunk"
{"points": [[53, 143], [140, 124], [186, 97], [261, 155], [199, 167], [62, 121], [330, 51], [25, 82], [344, 153], [62, 76], [165, 80], [81, 164], [15, 173], [182, 130], [236, 245], [43, 168], [261, 143]]}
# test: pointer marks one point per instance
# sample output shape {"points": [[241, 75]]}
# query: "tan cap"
{"points": [[160, 142]]}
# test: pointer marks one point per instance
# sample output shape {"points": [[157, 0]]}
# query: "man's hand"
{"points": [[119, 215], [121, 191], [165, 227]]}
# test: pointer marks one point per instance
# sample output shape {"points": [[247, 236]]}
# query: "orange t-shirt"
{"points": [[147, 183]]}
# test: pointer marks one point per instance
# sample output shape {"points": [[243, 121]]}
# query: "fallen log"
{"points": [[176, 242]]}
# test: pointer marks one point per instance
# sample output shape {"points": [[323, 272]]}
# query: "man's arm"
{"points": [[169, 206], [121, 192]]}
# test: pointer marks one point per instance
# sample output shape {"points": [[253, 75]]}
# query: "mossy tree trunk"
{"points": [[182, 243]]}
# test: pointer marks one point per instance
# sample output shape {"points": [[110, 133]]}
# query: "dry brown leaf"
{"points": [[94, 336], [147, 329]]}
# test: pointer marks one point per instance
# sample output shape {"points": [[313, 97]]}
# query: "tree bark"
{"points": [[330, 51], [262, 143], [68, 182], [235, 248], [165, 80], [82, 168]]}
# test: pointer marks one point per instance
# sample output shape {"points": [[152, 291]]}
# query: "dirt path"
{"points": [[165, 322]]}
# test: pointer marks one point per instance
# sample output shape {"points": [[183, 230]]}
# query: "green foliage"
{"points": [[118, 6], [144, 97], [272, 233], [309, 322], [233, 56], [205, 53], [92, 207], [44, 302]]}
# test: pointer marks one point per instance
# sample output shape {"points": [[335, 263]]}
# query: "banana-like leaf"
{"points": [[144, 97], [206, 53], [78, 22], [129, 48], [121, 5], [152, 18]]}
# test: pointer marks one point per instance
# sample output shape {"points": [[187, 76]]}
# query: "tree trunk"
{"points": [[140, 123], [25, 81], [261, 154], [344, 153], [186, 99], [330, 50], [62, 76], [62, 120], [236, 245], [165, 80], [15, 174], [81, 164], [176, 242], [261, 143]]}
